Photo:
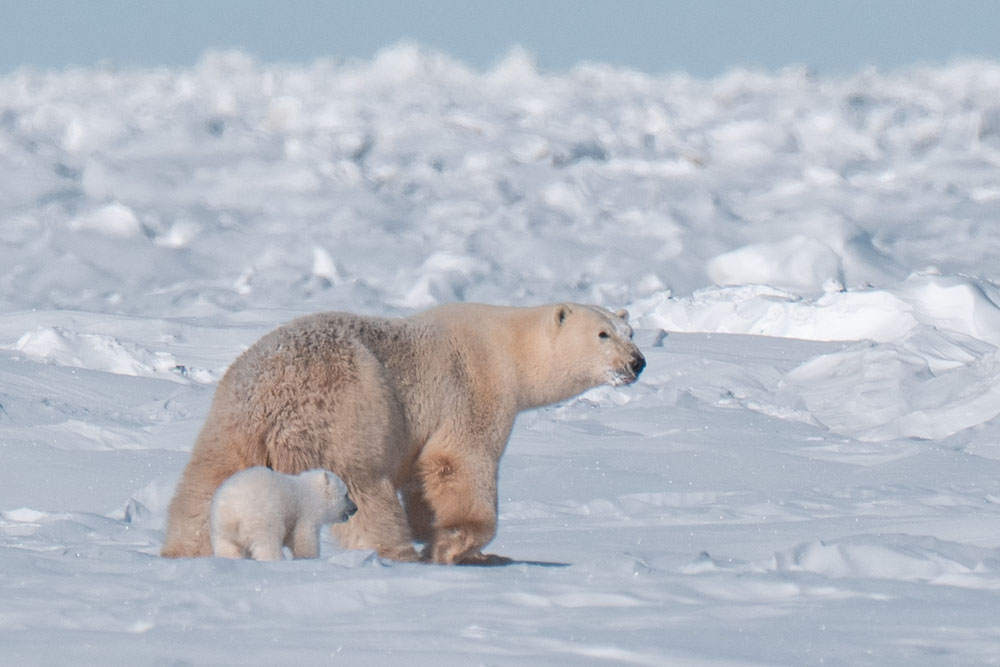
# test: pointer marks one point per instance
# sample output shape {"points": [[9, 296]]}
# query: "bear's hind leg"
{"points": [[188, 533], [221, 450]]}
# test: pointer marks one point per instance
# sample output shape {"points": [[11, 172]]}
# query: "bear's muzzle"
{"points": [[637, 363], [349, 510], [628, 373]]}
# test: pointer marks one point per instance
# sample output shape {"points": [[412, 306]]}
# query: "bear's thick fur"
{"points": [[257, 511], [417, 408]]}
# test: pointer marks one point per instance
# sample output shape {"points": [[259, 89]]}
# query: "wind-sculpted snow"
{"points": [[926, 365], [807, 471], [222, 184], [899, 557]]}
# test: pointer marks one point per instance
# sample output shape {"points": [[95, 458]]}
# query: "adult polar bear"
{"points": [[417, 407]]}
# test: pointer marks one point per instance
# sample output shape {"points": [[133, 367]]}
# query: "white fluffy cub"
{"points": [[257, 511]]}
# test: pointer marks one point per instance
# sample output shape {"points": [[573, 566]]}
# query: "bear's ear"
{"points": [[562, 312], [623, 314]]}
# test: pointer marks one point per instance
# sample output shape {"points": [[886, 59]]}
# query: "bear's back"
{"points": [[332, 338]]}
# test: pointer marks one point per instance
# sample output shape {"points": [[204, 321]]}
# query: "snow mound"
{"points": [[951, 303], [99, 352], [796, 263], [954, 303], [770, 311], [924, 362], [115, 220], [898, 557], [887, 391]]}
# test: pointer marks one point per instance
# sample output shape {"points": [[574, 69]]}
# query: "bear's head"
{"points": [[337, 504], [594, 346]]}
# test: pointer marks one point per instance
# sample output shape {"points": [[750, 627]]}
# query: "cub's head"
{"points": [[594, 346], [332, 492]]}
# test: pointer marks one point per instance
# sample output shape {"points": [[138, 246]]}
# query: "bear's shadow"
{"points": [[493, 560]]}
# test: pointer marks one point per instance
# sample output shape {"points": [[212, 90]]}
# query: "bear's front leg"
{"points": [[419, 514], [379, 523], [461, 490]]}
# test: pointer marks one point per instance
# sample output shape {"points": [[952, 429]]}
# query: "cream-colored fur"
{"points": [[257, 511], [417, 408]]}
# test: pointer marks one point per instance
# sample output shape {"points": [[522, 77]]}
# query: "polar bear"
{"points": [[412, 413], [257, 511]]}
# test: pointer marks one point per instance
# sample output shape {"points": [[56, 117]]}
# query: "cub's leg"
{"points": [[266, 549], [304, 541], [227, 548]]}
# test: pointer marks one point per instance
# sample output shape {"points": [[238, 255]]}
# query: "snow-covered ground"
{"points": [[807, 472]]}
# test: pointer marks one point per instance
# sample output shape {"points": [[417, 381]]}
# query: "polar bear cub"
{"points": [[257, 511]]}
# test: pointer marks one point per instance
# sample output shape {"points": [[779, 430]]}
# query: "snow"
{"points": [[808, 470]]}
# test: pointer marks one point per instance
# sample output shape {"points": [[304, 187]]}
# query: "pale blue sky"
{"points": [[702, 37]]}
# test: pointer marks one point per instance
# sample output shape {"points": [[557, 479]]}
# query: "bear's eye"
{"points": [[604, 334]]}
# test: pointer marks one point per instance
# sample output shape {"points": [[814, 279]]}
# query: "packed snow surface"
{"points": [[807, 472]]}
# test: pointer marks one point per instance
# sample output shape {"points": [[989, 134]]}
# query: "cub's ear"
{"points": [[623, 314], [329, 486], [562, 312]]}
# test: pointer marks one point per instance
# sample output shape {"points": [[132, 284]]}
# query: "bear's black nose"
{"points": [[637, 364]]}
